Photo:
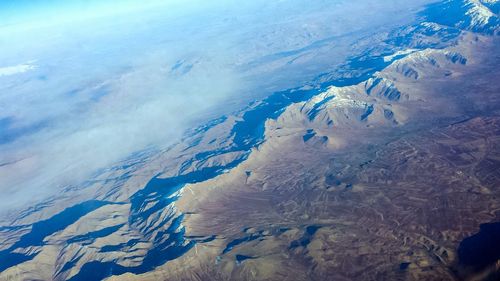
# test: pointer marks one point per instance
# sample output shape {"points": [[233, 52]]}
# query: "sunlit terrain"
{"points": [[264, 140]]}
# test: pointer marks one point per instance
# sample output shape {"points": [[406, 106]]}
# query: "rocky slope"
{"points": [[377, 170]]}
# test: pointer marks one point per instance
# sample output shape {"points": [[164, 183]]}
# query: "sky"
{"points": [[84, 84], [17, 11]]}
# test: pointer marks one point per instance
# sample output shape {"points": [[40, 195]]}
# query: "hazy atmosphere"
{"points": [[266, 140], [86, 83]]}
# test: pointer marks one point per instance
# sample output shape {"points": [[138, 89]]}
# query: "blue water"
{"points": [[481, 249]]}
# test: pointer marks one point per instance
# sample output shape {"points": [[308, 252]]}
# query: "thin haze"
{"points": [[84, 84]]}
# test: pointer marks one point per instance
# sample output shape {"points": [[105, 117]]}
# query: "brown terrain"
{"points": [[387, 179], [386, 198]]}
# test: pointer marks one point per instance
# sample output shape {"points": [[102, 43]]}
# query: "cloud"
{"points": [[95, 98], [16, 69], [143, 106]]}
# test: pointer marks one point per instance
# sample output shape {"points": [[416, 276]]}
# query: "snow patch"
{"points": [[399, 53]]}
